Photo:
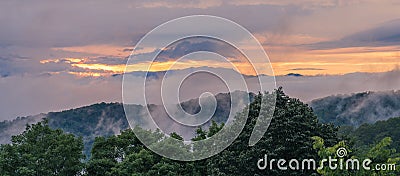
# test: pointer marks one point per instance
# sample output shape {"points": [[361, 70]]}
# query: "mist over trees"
{"points": [[294, 132], [357, 109]]}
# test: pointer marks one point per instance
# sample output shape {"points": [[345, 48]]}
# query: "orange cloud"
{"points": [[284, 59], [67, 60], [337, 61]]}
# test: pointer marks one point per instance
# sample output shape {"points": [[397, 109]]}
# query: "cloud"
{"points": [[187, 46], [194, 4], [301, 3], [95, 66], [30, 94], [22, 66], [98, 50], [127, 50], [69, 23], [75, 23], [280, 38], [195, 52], [107, 60], [386, 34], [47, 30], [312, 87], [294, 69]]}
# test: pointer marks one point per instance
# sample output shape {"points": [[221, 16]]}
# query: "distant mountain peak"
{"points": [[294, 74]]}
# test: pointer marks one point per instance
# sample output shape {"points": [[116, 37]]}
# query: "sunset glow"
{"points": [[306, 62]]}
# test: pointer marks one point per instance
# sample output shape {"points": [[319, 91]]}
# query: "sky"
{"points": [[64, 54]]}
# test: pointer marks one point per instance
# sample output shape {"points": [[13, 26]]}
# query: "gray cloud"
{"points": [[22, 66], [187, 46], [127, 50], [31, 94], [308, 88], [107, 60], [73, 23], [385, 34]]}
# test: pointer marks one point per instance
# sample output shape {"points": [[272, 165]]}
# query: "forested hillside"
{"points": [[103, 119], [106, 119], [294, 132], [368, 134], [125, 155], [359, 108]]}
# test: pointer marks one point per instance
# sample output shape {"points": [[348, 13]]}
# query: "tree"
{"points": [[288, 136], [380, 153], [326, 152], [107, 152], [125, 155], [40, 150]]}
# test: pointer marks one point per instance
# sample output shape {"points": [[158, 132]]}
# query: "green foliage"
{"points": [[326, 152], [176, 136], [214, 128], [369, 134], [200, 134], [124, 155], [289, 136], [41, 150], [380, 153], [103, 119], [107, 152]]}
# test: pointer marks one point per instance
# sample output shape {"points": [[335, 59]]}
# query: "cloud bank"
{"points": [[29, 95]]}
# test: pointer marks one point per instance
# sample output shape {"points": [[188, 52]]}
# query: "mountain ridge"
{"points": [[105, 119], [357, 108], [100, 119]]}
